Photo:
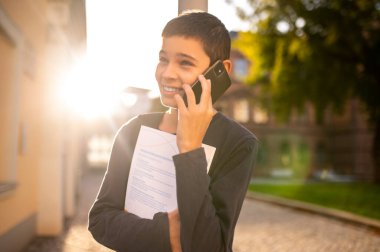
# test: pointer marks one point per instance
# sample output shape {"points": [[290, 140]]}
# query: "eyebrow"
{"points": [[183, 55]]}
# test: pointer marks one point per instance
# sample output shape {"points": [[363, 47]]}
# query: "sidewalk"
{"points": [[76, 238], [267, 227], [262, 227]]}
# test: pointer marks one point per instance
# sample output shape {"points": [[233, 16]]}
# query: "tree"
{"points": [[318, 51]]}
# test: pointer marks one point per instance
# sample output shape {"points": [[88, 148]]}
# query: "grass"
{"points": [[358, 198]]}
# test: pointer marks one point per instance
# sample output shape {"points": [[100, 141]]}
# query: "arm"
{"points": [[209, 209], [109, 224], [174, 231]]}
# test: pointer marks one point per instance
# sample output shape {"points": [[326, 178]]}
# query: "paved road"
{"points": [[265, 227], [262, 227]]}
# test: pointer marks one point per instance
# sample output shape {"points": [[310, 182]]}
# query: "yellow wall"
{"points": [[27, 16], [37, 132], [7, 64]]}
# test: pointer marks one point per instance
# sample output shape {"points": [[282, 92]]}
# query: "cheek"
{"points": [[157, 74], [190, 78]]}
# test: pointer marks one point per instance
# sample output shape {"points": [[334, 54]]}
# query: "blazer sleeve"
{"points": [[109, 224], [209, 207]]}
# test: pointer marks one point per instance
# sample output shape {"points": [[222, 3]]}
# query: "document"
{"points": [[152, 180]]}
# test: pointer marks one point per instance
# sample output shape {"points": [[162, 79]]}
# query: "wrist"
{"points": [[184, 149], [174, 231]]}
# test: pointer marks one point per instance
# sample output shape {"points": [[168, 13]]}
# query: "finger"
{"points": [[180, 102], [210, 105], [189, 95], [206, 89], [174, 212]]}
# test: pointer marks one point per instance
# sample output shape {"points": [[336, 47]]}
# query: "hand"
{"points": [[194, 119], [175, 231]]}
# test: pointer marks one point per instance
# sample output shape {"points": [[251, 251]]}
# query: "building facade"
{"points": [[39, 153], [337, 149]]}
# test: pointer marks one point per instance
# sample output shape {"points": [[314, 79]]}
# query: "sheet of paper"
{"points": [[152, 181]]}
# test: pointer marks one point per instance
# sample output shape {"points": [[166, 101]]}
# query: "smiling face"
{"points": [[181, 60]]}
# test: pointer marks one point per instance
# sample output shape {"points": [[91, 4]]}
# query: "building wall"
{"points": [[39, 153], [340, 146], [21, 202], [300, 147]]}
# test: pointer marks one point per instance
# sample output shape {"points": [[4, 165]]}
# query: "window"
{"points": [[99, 150], [301, 164], [241, 110], [285, 154], [303, 154], [321, 155], [260, 116], [263, 154], [240, 69]]}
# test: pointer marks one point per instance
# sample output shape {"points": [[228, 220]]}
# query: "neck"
{"points": [[169, 121]]}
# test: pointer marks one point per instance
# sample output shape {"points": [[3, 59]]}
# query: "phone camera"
{"points": [[219, 70]]}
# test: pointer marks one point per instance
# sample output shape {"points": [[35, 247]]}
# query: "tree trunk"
{"points": [[376, 150]]}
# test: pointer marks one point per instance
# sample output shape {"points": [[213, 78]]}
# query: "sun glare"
{"points": [[86, 94], [123, 40]]}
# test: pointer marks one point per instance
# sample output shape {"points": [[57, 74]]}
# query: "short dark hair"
{"points": [[203, 26]]}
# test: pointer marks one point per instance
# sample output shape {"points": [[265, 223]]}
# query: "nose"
{"points": [[169, 71]]}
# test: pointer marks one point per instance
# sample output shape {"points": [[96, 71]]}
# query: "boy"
{"points": [[208, 203]]}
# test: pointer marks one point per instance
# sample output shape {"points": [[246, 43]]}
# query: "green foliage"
{"points": [[314, 51], [358, 198], [258, 49]]}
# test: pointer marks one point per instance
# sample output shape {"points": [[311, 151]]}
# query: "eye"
{"points": [[162, 59], [186, 63]]}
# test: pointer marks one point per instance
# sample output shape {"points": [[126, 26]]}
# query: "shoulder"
{"points": [[236, 146], [232, 131], [231, 139], [131, 128], [148, 119]]}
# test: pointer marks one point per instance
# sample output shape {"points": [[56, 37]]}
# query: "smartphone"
{"points": [[220, 82]]}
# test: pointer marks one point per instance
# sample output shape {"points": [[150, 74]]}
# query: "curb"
{"points": [[309, 207]]}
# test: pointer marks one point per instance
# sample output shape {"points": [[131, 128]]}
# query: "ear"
{"points": [[228, 65]]}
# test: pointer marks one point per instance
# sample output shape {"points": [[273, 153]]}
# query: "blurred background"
{"points": [[305, 80]]}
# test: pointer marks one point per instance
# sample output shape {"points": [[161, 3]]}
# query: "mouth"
{"points": [[172, 90]]}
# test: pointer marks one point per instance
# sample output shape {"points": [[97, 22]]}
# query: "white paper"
{"points": [[152, 181]]}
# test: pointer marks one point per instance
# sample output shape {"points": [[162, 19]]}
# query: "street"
{"points": [[262, 227]]}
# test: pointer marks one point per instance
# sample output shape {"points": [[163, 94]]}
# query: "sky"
{"points": [[124, 38]]}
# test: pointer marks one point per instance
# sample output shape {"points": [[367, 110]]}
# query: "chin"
{"points": [[169, 103]]}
